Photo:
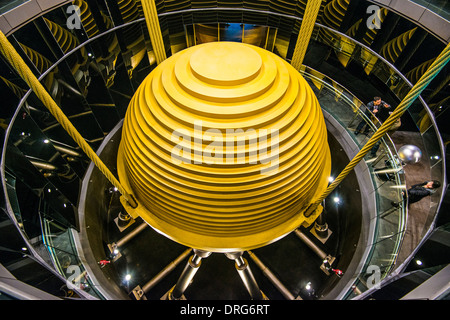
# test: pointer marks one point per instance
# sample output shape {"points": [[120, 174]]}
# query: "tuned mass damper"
{"points": [[224, 145]]}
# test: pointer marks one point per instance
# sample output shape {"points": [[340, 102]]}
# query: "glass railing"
{"points": [[61, 247], [7, 5], [42, 166], [427, 137], [385, 169], [441, 7], [93, 84]]}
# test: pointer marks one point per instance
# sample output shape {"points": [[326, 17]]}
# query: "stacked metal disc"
{"points": [[224, 145]]}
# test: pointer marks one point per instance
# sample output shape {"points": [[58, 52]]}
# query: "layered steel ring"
{"points": [[224, 145]]}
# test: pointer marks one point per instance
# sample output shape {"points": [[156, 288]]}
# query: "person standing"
{"points": [[373, 107], [381, 110]]}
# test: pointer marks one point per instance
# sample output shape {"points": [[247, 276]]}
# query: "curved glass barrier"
{"points": [[41, 164], [425, 136], [93, 83], [5, 6], [386, 171], [377, 70], [441, 7]]}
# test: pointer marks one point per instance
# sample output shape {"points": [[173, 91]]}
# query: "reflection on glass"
{"points": [[270, 44], [87, 19], [206, 33], [95, 84], [347, 50], [135, 51], [441, 7], [231, 32], [59, 243], [189, 31], [105, 53], [387, 172], [6, 5], [30, 190], [130, 10], [433, 150], [281, 45], [10, 182], [77, 62], [39, 150], [261, 36], [256, 35], [177, 34], [11, 94], [39, 61]]}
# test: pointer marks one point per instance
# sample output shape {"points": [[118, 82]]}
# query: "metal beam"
{"points": [[273, 279], [20, 290], [433, 288]]}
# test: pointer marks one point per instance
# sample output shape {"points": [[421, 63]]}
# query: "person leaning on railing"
{"points": [[419, 191]]}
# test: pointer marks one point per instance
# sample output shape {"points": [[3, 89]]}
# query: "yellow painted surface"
{"points": [[194, 153], [221, 64]]}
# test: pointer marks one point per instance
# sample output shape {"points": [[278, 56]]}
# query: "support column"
{"points": [[326, 258], [269, 274], [306, 29], [188, 274], [321, 230], [321, 226], [154, 29], [123, 220], [113, 247], [139, 292], [246, 275]]}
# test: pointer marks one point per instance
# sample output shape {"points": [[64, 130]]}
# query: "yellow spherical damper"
{"points": [[224, 146]]}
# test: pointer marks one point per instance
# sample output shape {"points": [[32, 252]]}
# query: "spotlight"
{"points": [[337, 200], [128, 277], [46, 141], [331, 179], [419, 262], [308, 286], [113, 189]]}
